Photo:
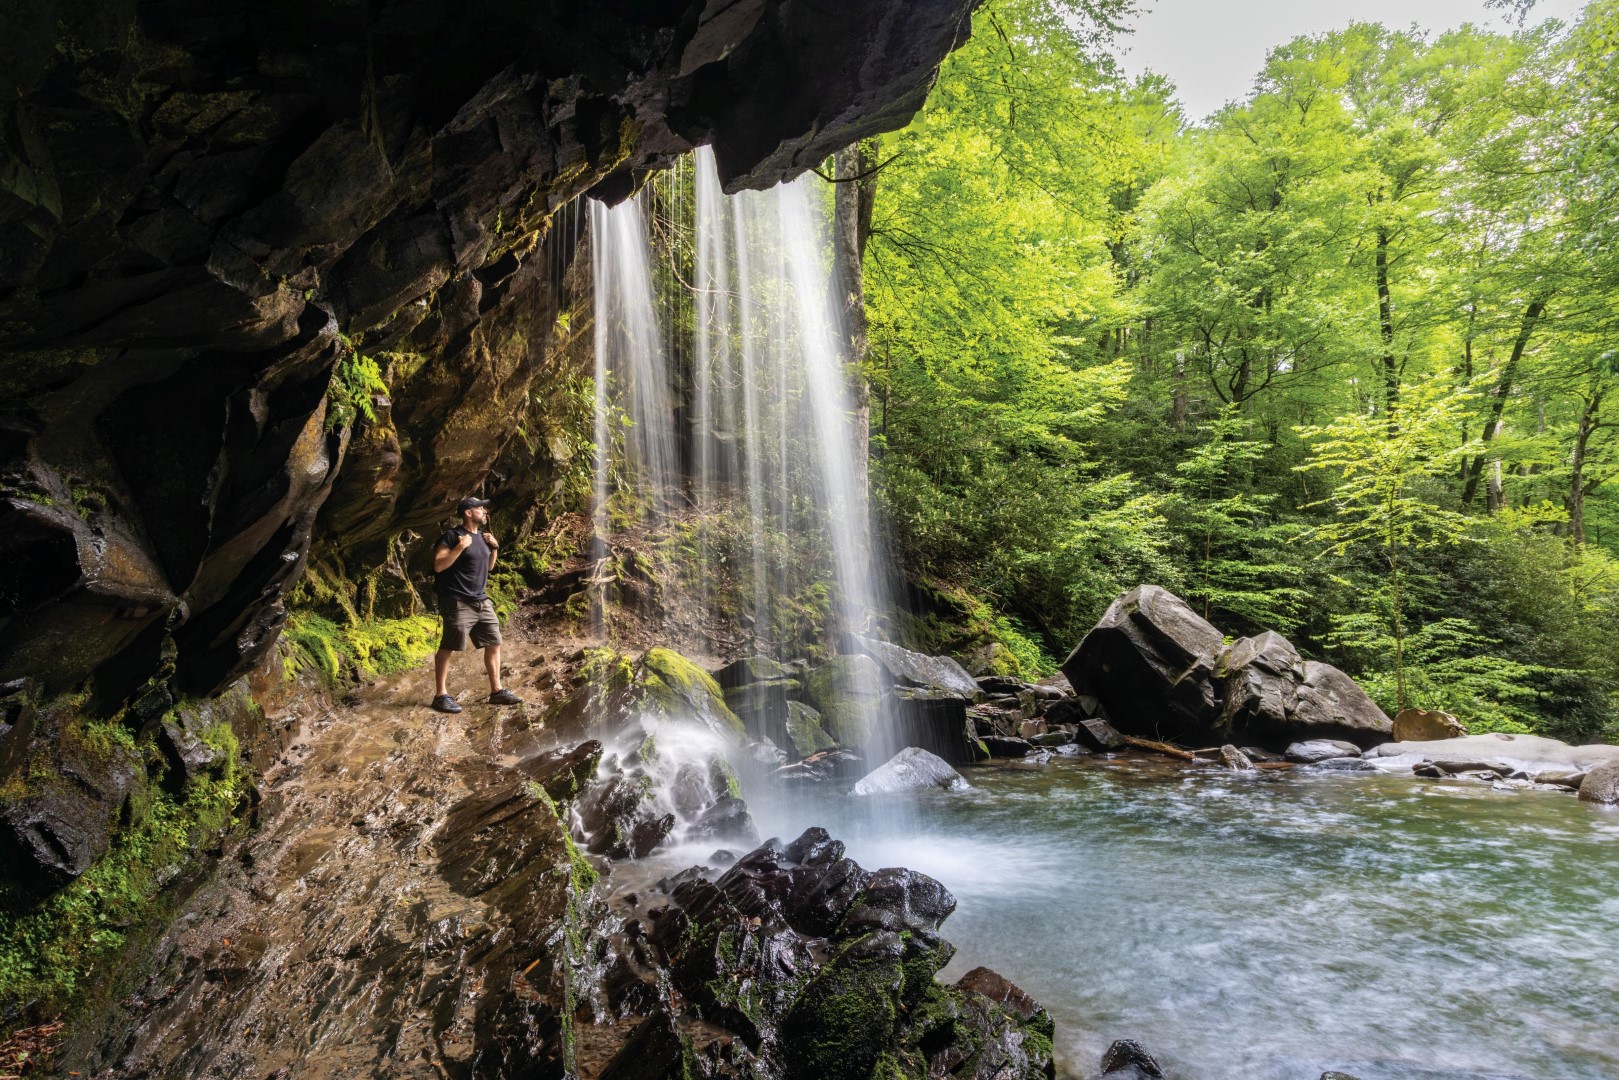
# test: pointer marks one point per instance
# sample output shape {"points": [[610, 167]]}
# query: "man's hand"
{"points": [[494, 548], [463, 543], [489, 538]]}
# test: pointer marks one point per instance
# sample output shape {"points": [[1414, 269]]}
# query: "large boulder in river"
{"points": [[935, 720], [849, 691], [1151, 661], [907, 668], [1601, 784], [1530, 754], [1426, 725], [1160, 671], [912, 769]]}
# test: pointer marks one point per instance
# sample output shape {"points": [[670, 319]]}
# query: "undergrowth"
{"points": [[359, 650]]}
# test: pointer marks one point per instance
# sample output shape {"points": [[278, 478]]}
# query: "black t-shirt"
{"points": [[469, 573]]}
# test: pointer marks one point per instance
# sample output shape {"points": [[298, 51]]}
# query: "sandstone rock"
{"points": [[849, 690], [1528, 753], [1426, 725], [1151, 660], [1601, 784], [1343, 764], [907, 668], [912, 769], [1312, 750]]}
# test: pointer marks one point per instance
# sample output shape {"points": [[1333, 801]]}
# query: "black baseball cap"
{"points": [[469, 503]]}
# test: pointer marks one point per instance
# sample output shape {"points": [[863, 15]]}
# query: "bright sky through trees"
{"points": [[1211, 51]]}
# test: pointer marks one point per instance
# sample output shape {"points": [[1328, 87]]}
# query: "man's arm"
{"points": [[494, 547], [444, 557]]}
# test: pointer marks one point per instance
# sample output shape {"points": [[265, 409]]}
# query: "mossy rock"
{"points": [[992, 659], [804, 730], [843, 1022], [849, 691], [684, 691]]}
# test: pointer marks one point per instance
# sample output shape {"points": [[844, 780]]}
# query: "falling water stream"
{"points": [[1267, 928]]}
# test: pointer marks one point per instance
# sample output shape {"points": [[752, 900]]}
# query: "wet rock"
{"points": [[935, 720], [17, 712], [1234, 759], [1313, 750], [1601, 784], [1426, 725], [996, 685], [1053, 739], [727, 820], [1002, 746], [750, 670], [1343, 764], [64, 817], [1337, 1076], [1099, 736], [1528, 753], [620, 820], [1028, 729], [655, 1050], [762, 706], [1127, 1059], [912, 769], [1004, 993], [849, 691], [907, 668], [804, 732]]}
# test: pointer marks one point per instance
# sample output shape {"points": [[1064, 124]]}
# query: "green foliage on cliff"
{"points": [[356, 380], [52, 951], [1336, 360], [358, 650]]}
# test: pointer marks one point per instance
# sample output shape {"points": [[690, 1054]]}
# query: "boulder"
{"points": [[1530, 754], [1343, 764], [994, 685], [1312, 750], [762, 706], [912, 769], [1003, 746], [1601, 784], [1028, 729], [935, 720], [1127, 1059], [1151, 661], [1234, 759], [1426, 725], [1053, 739], [751, 669], [1332, 705], [908, 668], [804, 732], [1100, 736], [849, 690]]}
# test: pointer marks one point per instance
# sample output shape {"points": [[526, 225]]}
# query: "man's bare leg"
{"points": [[441, 671], [491, 665]]}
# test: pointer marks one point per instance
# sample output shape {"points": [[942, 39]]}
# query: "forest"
{"points": [[1339, 360]]}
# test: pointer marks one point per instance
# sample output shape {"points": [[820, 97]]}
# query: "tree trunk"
{"points": [[856, 190], [1576, 480], [1385, 325], [1498, 404], [1178, 408]]}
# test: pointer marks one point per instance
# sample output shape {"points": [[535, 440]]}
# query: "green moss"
{"points": [[355, 381], [673, 681], [956, 623], [52, 951], [362, 649]]}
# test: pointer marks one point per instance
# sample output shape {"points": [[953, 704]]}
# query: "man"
{"points": [[462, 559]]}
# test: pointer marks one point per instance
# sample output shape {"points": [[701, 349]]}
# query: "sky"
{"points": [[1212, 49]]}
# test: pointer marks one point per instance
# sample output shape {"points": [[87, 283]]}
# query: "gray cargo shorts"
{"points": [[466, 618]]}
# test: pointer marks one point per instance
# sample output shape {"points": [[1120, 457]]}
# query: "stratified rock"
{"points": [[1312, 750], [1234, 759], [1151, 660], [1529, 753], [849, 691], [1127, 1059], [1426, 725], [1601, 784], [912, 769], [1332, 705], [1343, 764], [17, 712], [908, 668]]}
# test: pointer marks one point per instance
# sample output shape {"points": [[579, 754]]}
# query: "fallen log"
{"points": [[1161, 748]]}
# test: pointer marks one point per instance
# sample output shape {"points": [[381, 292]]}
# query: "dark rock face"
{"points": [[209, 214], [797, 963], [1161, 671], [1129, 1060], [907, 668], [935, 720]]}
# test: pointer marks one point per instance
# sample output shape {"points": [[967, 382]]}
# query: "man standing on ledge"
{"points": [[462, 559]]}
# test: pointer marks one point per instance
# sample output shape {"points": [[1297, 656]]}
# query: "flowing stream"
{"points": [[1273, 928]]}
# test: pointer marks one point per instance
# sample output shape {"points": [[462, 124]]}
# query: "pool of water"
{"points": [[1273, 927]]}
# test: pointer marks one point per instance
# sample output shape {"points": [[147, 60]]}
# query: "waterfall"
{"points": [[723, 413]]}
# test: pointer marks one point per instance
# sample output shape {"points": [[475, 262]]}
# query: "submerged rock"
{"points": [[1530, 754], [1234, 759], [912, 769], [1127, 1059]]}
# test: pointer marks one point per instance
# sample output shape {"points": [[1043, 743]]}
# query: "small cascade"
{"points": [[724, 426]]}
